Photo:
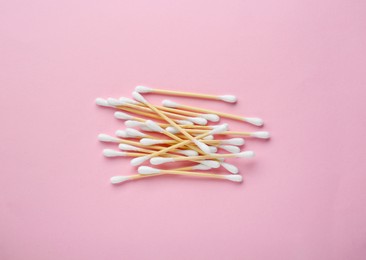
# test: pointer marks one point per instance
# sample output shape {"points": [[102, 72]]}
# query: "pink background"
{"points": [[300, 65]]}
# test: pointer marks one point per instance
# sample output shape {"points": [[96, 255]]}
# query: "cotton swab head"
{"points": [[233, 141], [210, 163], [108, 138], [184, 122], [145, 128], [228, 98], [115, 102], [168, 103], [209, 137], [137, 96], [147, 170], [210, 117], [134, 133], [119, 179], [246, 154], [230, 148], [149, 141], [230, 167], [160, 160], [198, 120], [154, 126], [187, 152], [218, 129], [128, 100], [253, 120], [138, 160], [122, 133], [102, 102], [213, 149], [121, 115], [112, 153], [204, 147], [261, 134], [133, 123], [235, 178], [201, 167], [172, 129], [127, 147], [143, 89]]}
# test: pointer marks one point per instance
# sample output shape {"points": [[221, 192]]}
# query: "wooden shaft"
{"points": [[208, 111], [204, 157], [147, 110], [173, 110], [141, 176], [222, 133], [195, 174], [184, 94]]}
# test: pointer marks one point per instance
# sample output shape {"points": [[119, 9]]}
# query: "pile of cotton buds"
{"points": [[176, 133]]}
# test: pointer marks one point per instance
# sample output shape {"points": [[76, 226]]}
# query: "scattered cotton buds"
{"points": [[174, 133]]}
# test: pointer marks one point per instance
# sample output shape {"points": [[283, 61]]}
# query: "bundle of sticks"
{"points": [[176, 133]]}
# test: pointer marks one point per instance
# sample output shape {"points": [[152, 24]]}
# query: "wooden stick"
{"points": [[140, 176], [147, 110], [151, 171], [226, 98], [251, 120]]}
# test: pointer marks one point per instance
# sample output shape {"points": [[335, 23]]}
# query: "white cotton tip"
{"points": [[145, 128], [112, 153], [142, 89], [246, 154], [172, 129], [149, 141], [234, 177], [133, 123], [184, 122], [115, 102], [137, 96], [119, 179], [202, 146], [234, 141], [138, 160], [127, 147], [211, 117], [213, 149], [228, 98], [154, 126], [209, 137], [261, 134], [121, 115], [128, 100], [102, 102], [134, 133], [219, 129], [168, 103], [254, 121], [198, 120], [230, 148], [187, 152], [160, 160], [211, 163], [122, 133], [107, 138], [201, 167], [230, 167], [147, 170]]}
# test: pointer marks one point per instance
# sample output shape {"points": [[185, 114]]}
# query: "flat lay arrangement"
{"points": [[172, 133]]}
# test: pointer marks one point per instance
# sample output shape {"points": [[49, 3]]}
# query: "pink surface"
{"points": [[300, 65]]}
